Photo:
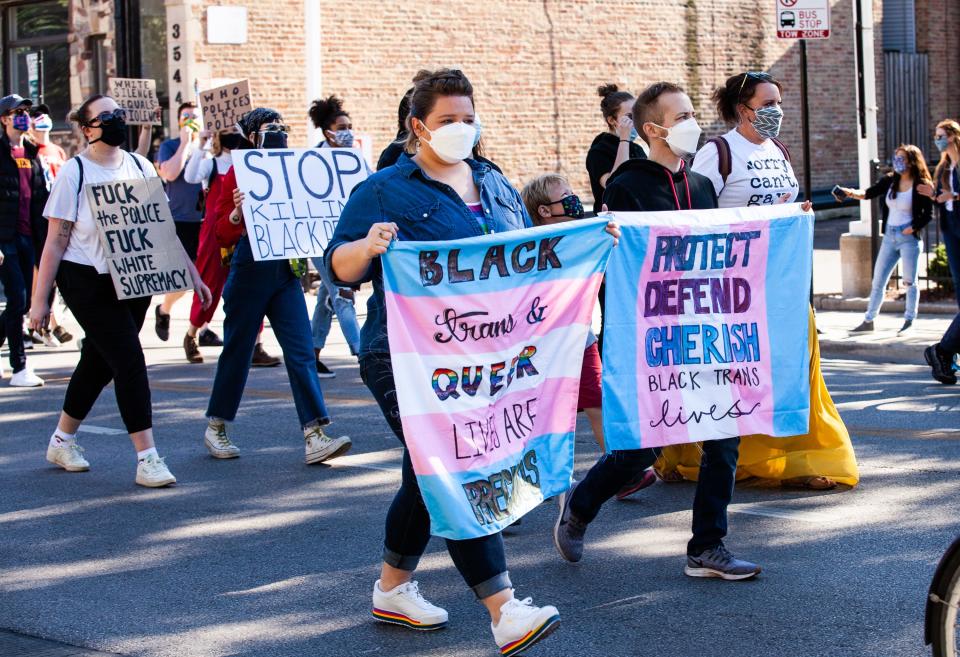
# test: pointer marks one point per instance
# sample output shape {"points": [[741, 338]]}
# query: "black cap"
{"points": [[12, 102], [37, 110]]}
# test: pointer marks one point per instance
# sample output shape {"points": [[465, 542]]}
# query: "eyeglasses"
{"points": [[754, 75], [117, 114]]}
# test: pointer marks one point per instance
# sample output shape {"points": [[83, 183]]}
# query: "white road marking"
{"points": [[104, 431]]}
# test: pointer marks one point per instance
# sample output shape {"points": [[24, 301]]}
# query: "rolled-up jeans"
{"points": [[896, 247], [718, 468], [480, 561]]}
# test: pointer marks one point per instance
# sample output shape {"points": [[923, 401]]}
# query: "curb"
{"points": [[900, 354], [859, 304]]}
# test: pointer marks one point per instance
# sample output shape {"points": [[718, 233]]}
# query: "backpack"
{"points": [[725, 163]]}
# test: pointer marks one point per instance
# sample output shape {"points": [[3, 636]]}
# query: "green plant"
{"points": [[939, 269]]}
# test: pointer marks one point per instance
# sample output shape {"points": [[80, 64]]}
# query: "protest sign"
{"points": [[139, 239], [486, 340], [138, 98], [293, 197], [705, 332], [223, 106]]}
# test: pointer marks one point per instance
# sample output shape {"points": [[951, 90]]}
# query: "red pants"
{"points": [[212, 273]]}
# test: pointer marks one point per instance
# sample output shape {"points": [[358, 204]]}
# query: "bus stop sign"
{"points": [[803, 19]]}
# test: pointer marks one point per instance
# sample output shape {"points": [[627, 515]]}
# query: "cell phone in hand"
{"points": [[838, 194]]}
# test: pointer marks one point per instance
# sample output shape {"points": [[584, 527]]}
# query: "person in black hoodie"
{"points": [[23, 193], [662, 182]]}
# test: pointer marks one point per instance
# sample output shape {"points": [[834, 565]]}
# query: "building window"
{"points": [[899, 26], [36, 55]]}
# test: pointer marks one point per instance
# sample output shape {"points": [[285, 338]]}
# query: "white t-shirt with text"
{"points": [[69, 203], [759, 173]]}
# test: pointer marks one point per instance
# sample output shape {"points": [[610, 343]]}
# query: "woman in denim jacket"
{"points": [[434, 192]]}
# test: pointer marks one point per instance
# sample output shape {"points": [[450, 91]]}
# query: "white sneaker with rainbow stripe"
{"points": [[522, 625], [405, 606]]}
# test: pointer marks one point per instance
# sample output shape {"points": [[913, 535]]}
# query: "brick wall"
{"points": [[938, 35]]}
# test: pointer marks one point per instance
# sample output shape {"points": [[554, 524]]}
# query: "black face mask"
{"points": [[234, 141], [113, 131], [273, 140]]}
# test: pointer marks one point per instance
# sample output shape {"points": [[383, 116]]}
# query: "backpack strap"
{"points": [[783, 148], [724, 158], [136, 160], [79, 180]]}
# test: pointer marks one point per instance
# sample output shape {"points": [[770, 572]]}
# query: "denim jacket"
{"points": [[424, 210]]}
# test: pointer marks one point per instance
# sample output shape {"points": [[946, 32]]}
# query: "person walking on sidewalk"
{"points": [[750, 166], [436, 191], [328, 115], [666, 117], [23, 192], [185, 206], [905, 213], [271, 289], [946, 193], [73, 256]]}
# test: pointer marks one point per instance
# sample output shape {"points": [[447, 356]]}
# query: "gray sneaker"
{"points": [[720, 562], [569, 530]]}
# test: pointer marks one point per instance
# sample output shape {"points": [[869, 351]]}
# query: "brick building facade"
{"points": [[535, 64]]}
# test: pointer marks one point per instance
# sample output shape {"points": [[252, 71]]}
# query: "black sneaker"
{"points": [[161, 324], [941, 364], [324, 372], [720, 562], [865, 327], [191, 350], [907, 324], [569, 530], [208, 338]]}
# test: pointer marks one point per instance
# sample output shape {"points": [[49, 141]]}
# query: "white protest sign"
{"points": [[293, 197], [223, 106], [803, 19], [139, 240], [138, 98]]}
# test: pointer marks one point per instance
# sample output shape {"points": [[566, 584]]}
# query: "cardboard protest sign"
{"points": [[138, 97], [487, 338], [139, 239], [223, 106], [293, 197], [706, 326]]}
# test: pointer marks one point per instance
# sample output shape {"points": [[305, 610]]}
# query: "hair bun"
{"points": [[605, 90]]}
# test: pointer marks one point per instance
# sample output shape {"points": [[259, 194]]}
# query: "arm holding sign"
{"points": [[143, 142]]}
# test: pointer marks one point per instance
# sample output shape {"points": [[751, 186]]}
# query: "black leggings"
{"points": [[111, 346]]}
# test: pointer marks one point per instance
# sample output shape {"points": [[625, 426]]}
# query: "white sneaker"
{"points": [[405, 606], [522, 625], [152, 472], [217, 442], [69, 456], [321, 447], [25, 378], [45, 337]]}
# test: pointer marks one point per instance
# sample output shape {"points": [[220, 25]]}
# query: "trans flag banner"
{"points": [[487, 338], [705, 333]]}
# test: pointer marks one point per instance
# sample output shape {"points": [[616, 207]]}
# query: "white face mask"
{"points": [[683, 138], [453, 142]]}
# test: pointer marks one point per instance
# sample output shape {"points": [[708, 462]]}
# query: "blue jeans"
{"points": [[16, 276], [329, 301], [895, 247], [950, 232], [480, 561], [718, 468], [950, 342], [255, 290]]}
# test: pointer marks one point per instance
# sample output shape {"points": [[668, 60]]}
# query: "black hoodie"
{"points": [[646, 186]]}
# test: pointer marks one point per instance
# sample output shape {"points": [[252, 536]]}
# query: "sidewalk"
{"points": [[883, 344]]}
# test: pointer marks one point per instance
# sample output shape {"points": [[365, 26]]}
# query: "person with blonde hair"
{"points": [[945, 191]]}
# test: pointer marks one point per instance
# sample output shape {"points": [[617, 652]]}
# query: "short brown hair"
{"points": [[428, 87], [537, 192], [647, 108]]}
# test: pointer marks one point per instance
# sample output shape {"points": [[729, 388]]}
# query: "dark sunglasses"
{"points": [[117, 114], [274, 127], [753, 75], [16, 110]]}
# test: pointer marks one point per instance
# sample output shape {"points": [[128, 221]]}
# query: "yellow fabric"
{"points": [[826, 451]]}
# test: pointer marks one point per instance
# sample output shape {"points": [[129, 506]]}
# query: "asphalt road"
{"points": [[265, 556]]}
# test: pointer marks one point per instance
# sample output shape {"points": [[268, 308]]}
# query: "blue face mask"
{"points": [[634, 134], [942, 143], [344, 138], [899, 164], [21, 122]]}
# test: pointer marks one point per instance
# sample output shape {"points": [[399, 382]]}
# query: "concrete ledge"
{"points": [[901, 354], [859, 304]]}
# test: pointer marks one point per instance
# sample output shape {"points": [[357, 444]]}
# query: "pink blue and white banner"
{"points": [[705, 333], [486, 340]]}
